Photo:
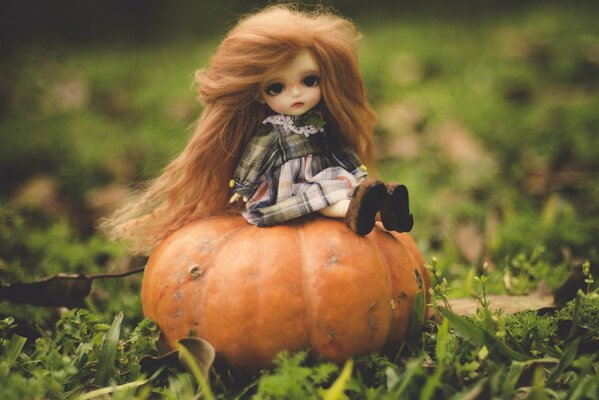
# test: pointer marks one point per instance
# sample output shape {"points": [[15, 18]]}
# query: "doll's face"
{"points": [[295, 88]]}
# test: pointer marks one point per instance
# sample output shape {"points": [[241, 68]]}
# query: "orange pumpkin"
{"points": [[252, 292]]}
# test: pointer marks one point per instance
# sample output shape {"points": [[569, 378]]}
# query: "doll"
{"points": [[286, 128]]}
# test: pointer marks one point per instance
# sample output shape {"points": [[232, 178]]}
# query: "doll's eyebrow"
{"points": [[304, 74], [310, 72], [273, 81]]}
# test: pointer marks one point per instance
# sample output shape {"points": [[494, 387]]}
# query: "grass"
{"points": [[490, 122]]}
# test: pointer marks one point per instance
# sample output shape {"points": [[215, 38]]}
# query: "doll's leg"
{"points": [[365, 204], [337, 210], [395, 213]]}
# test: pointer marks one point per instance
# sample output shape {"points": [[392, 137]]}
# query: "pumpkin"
{"points": [[253, 291]]}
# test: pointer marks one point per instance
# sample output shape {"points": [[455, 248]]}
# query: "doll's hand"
{"points": [[236, 197]]}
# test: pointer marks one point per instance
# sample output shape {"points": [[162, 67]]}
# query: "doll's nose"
{"points": [[295, 91]]}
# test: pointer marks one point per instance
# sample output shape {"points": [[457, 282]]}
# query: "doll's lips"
{"points": [[297, 105]]}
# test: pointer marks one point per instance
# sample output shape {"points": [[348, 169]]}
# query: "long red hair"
{"points": [[195, 184]]}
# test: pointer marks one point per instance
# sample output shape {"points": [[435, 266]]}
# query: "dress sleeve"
{"points": [[256, 162]]}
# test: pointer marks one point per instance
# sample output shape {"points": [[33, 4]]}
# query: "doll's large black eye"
{"points": [[275, 89], [311, 81]]}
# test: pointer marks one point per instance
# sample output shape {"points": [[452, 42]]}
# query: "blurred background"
{"points": [[488, 111]]}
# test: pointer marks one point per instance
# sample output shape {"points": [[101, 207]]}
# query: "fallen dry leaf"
{"points": [[69, 94], [406, 146], [492, 224], [40, 192], [458, 145], [536, 300], [106, 200], [202, 352], [516, 43], [68, 290], [180, 109], [126, 165], [405, 69], [509, 304], [59, 290], [402, 117], [469, 241]]}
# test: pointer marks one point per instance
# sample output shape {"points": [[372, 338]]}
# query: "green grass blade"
{"points": [[335, 392], [414, 334], [442, 342], [112, 389], [464, 328], [108, 354], [392, 378], [513, 375], [13, 348], [538, 385], [442, 355], [585, 387], [432, 383], [473, 392], [565, 361], [469, 330], [575, 317], [493, 344], [406, 378]]}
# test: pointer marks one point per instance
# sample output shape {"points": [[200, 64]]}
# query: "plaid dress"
{"points": [[288, 170]]}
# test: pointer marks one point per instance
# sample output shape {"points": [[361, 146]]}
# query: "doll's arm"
{"points": [[256, 161]]}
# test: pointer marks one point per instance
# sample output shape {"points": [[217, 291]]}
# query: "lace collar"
{"points": [[306, 124]]}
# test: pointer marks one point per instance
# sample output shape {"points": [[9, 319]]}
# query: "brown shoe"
{"points": [[395, 212], [365, 203]]}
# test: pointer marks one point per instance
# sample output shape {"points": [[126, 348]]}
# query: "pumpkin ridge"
{"points": [[305, 287], [218, 245], [420, 269], [420, 262], [415, 265], [392, 318], [402, 240]]}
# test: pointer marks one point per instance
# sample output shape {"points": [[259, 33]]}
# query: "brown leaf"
{"points": [[40, 193], [59, 290], [402, 117], [509, 304], [541, 179], [69, 94], [151, 364], [202, 352], [127, 164], [469, 241], [62, 290], [516, 43], [458, 145], [180, 109], [405, 69], [406, 146], [106, 200]]}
